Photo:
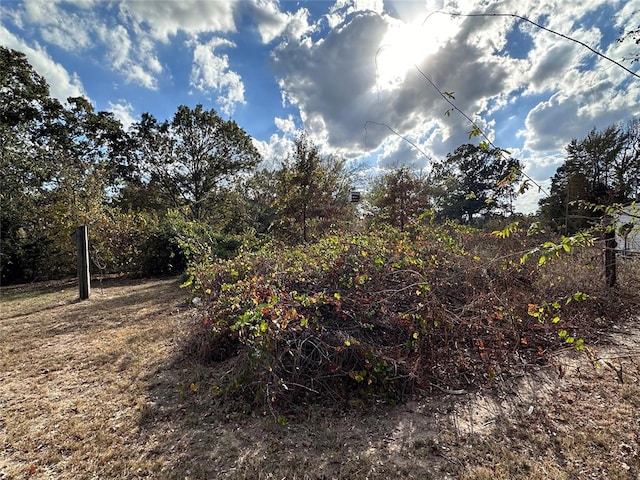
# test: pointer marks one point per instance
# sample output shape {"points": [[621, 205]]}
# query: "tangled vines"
{"points": [[380, 317]]}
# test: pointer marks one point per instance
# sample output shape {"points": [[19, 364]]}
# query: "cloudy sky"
{"points": [[349, 72]]}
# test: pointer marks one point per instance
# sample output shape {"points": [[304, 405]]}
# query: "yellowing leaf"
{"points": [[194, 387]]}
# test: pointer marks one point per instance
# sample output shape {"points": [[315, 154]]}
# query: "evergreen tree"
{"points": [[602, 169]]}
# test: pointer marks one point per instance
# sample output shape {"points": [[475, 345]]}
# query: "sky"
{"points": [[361, 77]]}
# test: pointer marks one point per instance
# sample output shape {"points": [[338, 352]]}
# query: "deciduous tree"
{"points": [[311, 192], [190, 158], [475, 181], [399, 196]]}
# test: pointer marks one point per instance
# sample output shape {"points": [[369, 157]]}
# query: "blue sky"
{"points": [[329, 67]]}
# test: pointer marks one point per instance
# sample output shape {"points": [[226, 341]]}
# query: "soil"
{"points": [[102, 388]]}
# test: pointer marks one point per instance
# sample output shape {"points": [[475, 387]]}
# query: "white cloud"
{"points": [[210, 72], [134, 58], [342, 8], [325, 66], [330, 80], [167, 18], [62, 84], [123, 111], [275, 151], [270, 21], [286, 125], [66, 29], [118, 45]]}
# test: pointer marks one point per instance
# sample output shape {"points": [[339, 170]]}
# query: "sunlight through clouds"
{"points": [[405, 45]]}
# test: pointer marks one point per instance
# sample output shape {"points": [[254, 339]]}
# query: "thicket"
{"points": [[383, 315]]}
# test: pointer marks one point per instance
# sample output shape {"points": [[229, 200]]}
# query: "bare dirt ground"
{"points": [[100, 389]]}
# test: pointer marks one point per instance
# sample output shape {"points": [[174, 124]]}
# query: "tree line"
{"points": [[164, 189]]}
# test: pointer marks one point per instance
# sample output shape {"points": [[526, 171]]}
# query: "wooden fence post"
{"points": [[82, 242], [609, 250]]}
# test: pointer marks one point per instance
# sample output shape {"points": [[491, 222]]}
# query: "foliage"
{"points": [[379, 316], [24, 113], [191, 157], [399, 197], [602, 169], [311, 193], [475, 180], [634, 36], [68, 165], [135, 243], [58, 163]]}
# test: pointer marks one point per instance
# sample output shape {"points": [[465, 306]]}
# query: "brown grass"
{"points": [[100, 389]]}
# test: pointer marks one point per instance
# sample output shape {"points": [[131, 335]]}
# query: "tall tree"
{"points": [[603, 168], [58, 164], [91, 154], [399, 196], [311, 191], [26, 111], [475, 181], [190, 158]]}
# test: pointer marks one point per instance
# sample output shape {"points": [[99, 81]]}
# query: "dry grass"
{"points": [[99, 389]]}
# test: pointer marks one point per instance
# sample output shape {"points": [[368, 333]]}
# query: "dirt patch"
{"points": [[98, 389]]}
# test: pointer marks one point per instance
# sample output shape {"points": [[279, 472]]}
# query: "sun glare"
{"points": [[403, 46]]}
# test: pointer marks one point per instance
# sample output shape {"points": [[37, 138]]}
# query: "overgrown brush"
{"points": [[379, 316]]}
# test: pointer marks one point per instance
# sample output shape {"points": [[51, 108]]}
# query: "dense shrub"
{"points": [[379, 316]]}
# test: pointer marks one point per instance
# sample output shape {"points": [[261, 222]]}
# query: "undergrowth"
{"points": [[380, 316]]}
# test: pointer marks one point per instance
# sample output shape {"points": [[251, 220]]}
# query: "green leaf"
{"points": [[475, 131]]}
